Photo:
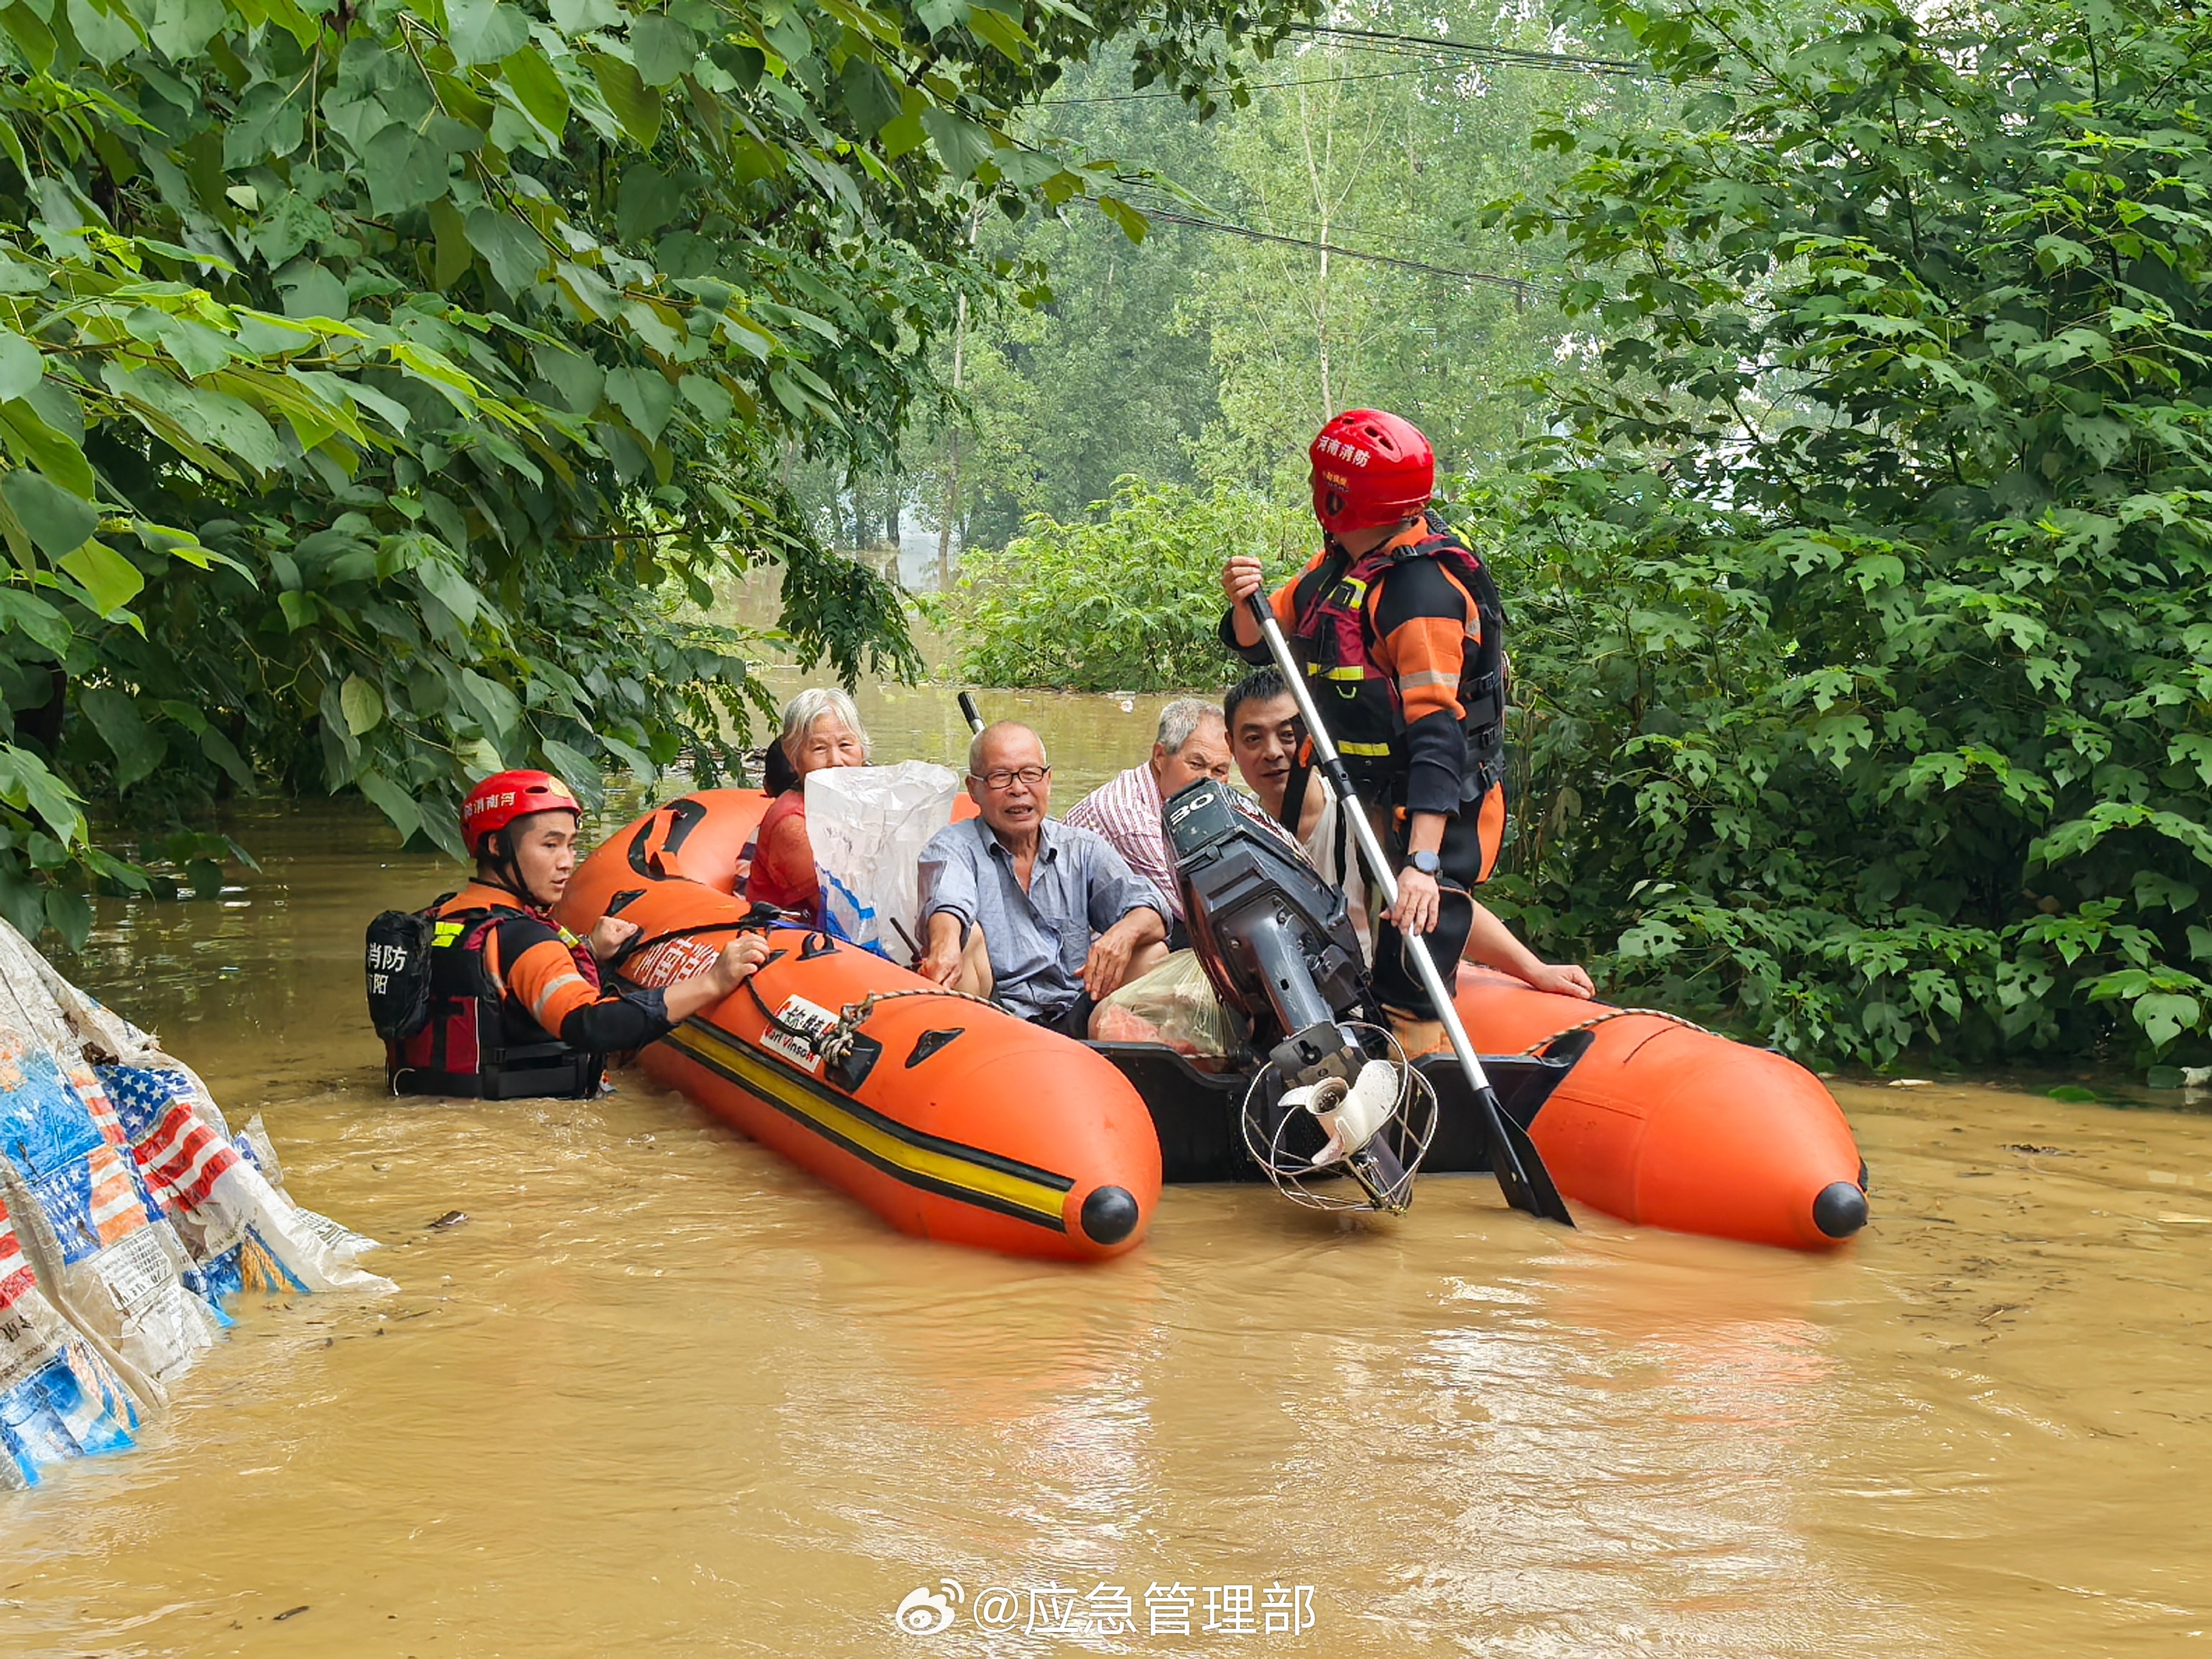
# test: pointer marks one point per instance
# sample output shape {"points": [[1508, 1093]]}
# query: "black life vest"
{"points": [[1366, 716], [477, 1042]]}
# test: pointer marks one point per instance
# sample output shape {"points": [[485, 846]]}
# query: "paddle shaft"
{"points": [[1519, 1170]]}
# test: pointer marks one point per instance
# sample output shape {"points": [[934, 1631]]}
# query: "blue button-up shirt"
{"points": [[1079, 886]]}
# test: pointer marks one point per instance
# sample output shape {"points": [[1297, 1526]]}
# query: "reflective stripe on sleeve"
{"points": [[559, 984]]}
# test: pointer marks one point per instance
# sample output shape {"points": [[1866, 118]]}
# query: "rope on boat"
{"points": [[1597, 1020], [834, 1044]]}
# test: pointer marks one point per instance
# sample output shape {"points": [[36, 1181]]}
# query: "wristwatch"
{"points": [[1427, 863]]}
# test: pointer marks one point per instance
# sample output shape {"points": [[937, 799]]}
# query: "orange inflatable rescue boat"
{"points": [[953, 1119], [948, 1117]]}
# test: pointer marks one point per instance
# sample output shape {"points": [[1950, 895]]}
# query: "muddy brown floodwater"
{"points": [[659, 1393]]}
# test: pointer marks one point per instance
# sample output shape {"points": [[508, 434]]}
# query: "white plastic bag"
{"points": [[868, 826]]}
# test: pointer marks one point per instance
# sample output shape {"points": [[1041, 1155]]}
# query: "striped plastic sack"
{"points": [[113, 1265], [58, 1398], [213, 1198], [240, 1229], [129, 1220]]}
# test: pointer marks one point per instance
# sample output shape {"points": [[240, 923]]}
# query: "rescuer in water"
{"points": [[517, 1005]]}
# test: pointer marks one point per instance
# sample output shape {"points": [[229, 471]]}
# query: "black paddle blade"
{"points": [[1518, 1165]]}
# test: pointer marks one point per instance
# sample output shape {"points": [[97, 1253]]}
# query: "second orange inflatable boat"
{"points": [[953, 1119]]}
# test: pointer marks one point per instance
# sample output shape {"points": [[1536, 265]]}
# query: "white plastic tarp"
{"points": [[868, 826]]}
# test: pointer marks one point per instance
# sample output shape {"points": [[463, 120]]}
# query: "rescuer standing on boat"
{"points": [[1399, 627], [503, 1001]]}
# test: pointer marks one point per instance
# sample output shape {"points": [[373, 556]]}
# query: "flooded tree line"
{"points": [[388, 389]]}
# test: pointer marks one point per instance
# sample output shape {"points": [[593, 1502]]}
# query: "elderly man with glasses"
{"points": [[1043, 917]]}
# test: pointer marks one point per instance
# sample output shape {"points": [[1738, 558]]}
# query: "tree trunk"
{"points": [[952, 513]]}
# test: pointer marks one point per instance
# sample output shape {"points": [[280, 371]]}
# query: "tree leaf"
{"points": [[573, 767], [664, 48], [484, 31], [1001, 32], [108, 37], [58, 521], [514, 253], [635, 105], [495, 705], [217, 745], [1134, 224], [450, 589], [577, 380], [32, 36], [109, 580], [69, 915], [644, 396], [539, 87], [961, 145], [181, 27], [869, 93], [363, 707], [454, 253], [405, 170], [27, 784], [395, 803], [646, 200], [137, 747], [311, 290], [33, 441], [35, 620], [269, 123], [574, 17], [710, 398]]}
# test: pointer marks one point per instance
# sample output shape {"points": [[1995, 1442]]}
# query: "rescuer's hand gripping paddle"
{"points": [[1520, 1168]]}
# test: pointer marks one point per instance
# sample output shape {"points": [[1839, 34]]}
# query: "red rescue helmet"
{"points": [[1369, 468], [503, 796]]}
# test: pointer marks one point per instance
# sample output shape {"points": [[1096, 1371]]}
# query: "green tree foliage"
{"points": [[378, 380], [1123, 599], [1067, 384], [1381, 155], [1203, 352], [1865, 628]]}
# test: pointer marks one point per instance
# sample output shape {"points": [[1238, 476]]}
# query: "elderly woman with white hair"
{"points": [[821, 728]]}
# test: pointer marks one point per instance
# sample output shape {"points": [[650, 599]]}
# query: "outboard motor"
{"points": [[1277, 942]]}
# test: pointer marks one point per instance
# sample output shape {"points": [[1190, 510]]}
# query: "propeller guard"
{"points": [[1373, 1129]]}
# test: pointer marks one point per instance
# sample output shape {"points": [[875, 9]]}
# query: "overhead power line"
{"points": [[1513, 56], [1519, 287], [1254, 86]]}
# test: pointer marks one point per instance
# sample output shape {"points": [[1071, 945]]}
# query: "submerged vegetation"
{"points": [[1117, 600]]}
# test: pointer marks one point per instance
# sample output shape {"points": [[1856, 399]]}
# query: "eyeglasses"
{"points": [[1027, 776]]}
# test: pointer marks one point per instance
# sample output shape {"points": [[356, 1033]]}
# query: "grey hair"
{"points": [[1181, 719], [976, 744], [809, 706]]}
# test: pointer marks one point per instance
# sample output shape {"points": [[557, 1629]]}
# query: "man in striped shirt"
{"points": [[1192, 744], [1127, 809]]}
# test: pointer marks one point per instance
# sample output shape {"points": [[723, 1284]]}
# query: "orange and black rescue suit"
{"points": [[1404, 647], [517, 1008]]}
